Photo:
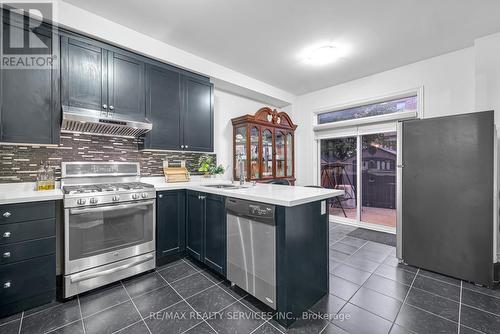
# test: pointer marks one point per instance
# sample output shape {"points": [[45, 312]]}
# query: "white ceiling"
{"points": [[264, 39]]}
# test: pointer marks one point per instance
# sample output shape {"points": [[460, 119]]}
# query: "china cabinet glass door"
{"points": [[254, 153], [280, 154], [265, 143], [267, 153], [289, 154], [240, 142]]}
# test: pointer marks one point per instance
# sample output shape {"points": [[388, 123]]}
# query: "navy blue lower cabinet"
{"points": [[195, 216], [206, 229], [28, 256], [170, 225], [301, 258], [214, 254]]}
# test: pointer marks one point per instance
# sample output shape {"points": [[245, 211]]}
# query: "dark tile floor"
{"points": [[369, 293]]}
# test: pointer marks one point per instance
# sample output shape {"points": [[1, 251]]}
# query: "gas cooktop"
{"points": [[105, 187], [103, 183]]}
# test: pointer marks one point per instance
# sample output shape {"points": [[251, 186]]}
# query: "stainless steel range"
{"points": [[109, 224]]}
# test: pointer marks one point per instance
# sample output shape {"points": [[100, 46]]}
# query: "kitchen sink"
{"points": [[224, 186]]}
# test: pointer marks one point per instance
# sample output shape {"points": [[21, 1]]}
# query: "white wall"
{"points": [[448, 83], [487, 62], [227, 106]]}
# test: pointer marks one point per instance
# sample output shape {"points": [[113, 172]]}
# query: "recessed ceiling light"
{"points": [[323, 54]]}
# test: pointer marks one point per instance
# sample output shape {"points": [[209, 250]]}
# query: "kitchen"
{"points": [[275, 220]]}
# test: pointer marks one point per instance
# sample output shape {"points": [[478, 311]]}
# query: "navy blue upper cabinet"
{"points": [[198, 115], [180, 106], [126, 90], [29, 98], [100, 77], [163, 108], [83, 74]]}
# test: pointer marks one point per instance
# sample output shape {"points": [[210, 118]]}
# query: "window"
{"points": [[376, 109]]}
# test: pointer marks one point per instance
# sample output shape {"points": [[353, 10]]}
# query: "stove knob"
{"points": [[135, 196], [144, 195], [81, 201], [93, 200], [116, 198]]}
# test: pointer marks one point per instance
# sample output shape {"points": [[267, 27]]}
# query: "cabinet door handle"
{"points": [[104, 106], [7, 214], [182, 146], [160, 196], [111, 107], [7, 285], [6, 255], [186, 146], [6, 234]]}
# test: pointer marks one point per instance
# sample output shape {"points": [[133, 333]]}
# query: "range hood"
{"points": [[96, 122]]}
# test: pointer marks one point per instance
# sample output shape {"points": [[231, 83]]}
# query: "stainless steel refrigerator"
{"points": [[447, 198]]}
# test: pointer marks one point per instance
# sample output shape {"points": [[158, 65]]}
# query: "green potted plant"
{"points": [[207, 166]]}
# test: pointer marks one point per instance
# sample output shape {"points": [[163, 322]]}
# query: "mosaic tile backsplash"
{"points": [[20, 163]]}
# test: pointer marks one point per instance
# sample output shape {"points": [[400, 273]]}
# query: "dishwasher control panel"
{"points": [[251, 210], [260, 211]]}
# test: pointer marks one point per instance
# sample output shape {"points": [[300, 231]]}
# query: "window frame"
{"points": [[397, 116]]}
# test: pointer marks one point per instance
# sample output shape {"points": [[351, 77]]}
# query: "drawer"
{"points": [[35, 229], [25, 279], [26, 250], [20, 212]]}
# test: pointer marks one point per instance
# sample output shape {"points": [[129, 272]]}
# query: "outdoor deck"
{"points": [[379, 216]]}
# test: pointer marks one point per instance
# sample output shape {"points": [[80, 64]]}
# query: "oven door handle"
{"points": [[83, 277], [109, 207]]}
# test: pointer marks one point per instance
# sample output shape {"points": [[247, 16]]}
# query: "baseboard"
{"points": [[161, 261]]}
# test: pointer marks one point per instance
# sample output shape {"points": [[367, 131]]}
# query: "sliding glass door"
{"points": [[339, 171], [378, 177], [364, 165]]}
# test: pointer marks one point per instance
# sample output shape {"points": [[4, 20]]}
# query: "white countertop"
{"points": [[265, 193], [25, 192], [261, 192]]}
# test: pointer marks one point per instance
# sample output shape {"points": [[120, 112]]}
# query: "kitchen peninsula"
{"points": [[299, 226]]}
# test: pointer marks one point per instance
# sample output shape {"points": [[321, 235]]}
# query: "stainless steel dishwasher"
{"points": [[251, 248]]}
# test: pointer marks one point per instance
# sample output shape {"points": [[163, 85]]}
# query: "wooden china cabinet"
{"points": [[265, 142]]}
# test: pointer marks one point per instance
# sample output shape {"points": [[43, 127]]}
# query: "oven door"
{"points": [[99, 235]]}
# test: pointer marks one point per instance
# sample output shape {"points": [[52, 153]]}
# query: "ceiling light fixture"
{"points": [[323, 54]]}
